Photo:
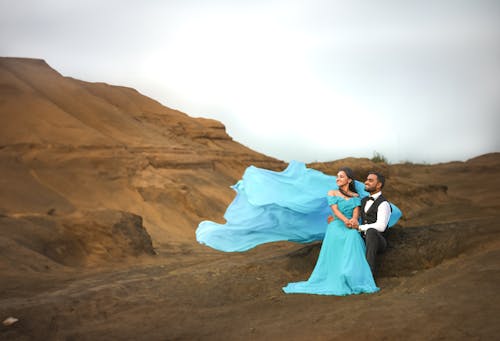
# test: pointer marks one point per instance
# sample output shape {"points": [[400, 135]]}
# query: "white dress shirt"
{"points": [[383, 214]]}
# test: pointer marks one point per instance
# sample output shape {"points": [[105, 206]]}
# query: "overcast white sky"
{"points": [[416, 80]]}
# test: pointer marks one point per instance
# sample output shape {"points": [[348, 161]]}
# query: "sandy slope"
{"points": [[96, 178]]}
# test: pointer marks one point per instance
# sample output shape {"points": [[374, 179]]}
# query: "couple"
{"points": [[342, 267], [292, 205]]}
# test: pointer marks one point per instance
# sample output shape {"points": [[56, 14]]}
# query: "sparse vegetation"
{"points": [[378, 158]]}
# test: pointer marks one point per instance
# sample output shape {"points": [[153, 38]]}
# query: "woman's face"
{"points": [[342, 179]]}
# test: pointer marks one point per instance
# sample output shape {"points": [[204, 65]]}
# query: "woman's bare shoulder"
{"points": [[333, 193]]}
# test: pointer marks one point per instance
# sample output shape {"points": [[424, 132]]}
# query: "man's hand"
{"points": [[330, 219]]}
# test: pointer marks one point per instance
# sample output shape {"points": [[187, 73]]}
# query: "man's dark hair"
{"points": [[379, 176]]}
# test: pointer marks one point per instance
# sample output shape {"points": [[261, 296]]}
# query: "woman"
{"points": [[341, 268]]}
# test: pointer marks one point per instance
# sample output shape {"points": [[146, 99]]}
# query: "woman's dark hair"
{"points": [[350, 175]]}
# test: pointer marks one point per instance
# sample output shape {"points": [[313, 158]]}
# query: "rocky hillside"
{"points": [[71, 147]]}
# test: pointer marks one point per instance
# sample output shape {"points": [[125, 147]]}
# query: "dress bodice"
{"points": [[345, 206]]}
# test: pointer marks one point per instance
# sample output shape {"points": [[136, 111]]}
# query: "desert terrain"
{"points": [[103, 189]]}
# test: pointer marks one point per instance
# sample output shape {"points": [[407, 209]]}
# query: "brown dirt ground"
{"points": [[438, 281]]}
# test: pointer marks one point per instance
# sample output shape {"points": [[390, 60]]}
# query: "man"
{"points": [[375, 212]]}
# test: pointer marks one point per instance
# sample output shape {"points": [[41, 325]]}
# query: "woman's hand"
{"points": [[352, 223]]}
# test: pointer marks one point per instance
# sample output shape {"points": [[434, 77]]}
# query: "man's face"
{"points": [[372, 185]]}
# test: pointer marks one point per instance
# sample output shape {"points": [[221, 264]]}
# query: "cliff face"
{"points": [[70, 146]]}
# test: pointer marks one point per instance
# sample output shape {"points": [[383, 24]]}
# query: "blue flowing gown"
{"points": [[292, 205], [341, 268], [276, 206]]}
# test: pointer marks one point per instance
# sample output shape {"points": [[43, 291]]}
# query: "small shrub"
{"points": [[378, 158]]}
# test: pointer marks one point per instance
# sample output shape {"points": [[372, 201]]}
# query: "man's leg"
{"points": [[375, 243]]}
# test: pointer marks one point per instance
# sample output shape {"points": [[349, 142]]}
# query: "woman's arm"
{"points": [[353, 222], [338, 214]]}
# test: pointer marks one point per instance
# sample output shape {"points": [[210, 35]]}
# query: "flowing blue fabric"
{"points": [[276, 206], [341, 268]]}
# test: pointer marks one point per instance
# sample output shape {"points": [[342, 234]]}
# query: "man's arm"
{"points": [[383, 215]]}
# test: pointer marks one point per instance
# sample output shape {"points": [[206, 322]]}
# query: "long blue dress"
{"points": [[289, 205], [341, 268]]}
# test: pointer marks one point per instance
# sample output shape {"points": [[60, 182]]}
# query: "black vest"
{"points": [[370, 216]]}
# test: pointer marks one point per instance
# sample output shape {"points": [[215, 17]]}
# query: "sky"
{"points": [[414, 80]]}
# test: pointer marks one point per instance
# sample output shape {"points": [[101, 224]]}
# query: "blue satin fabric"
{"points": [[276, 206]]}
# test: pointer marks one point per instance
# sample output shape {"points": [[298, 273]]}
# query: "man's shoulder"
{"points": [[381, 198], [384, 203]]}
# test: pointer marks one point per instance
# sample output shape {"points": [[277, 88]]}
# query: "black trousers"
{"points": [[375, 243]]}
